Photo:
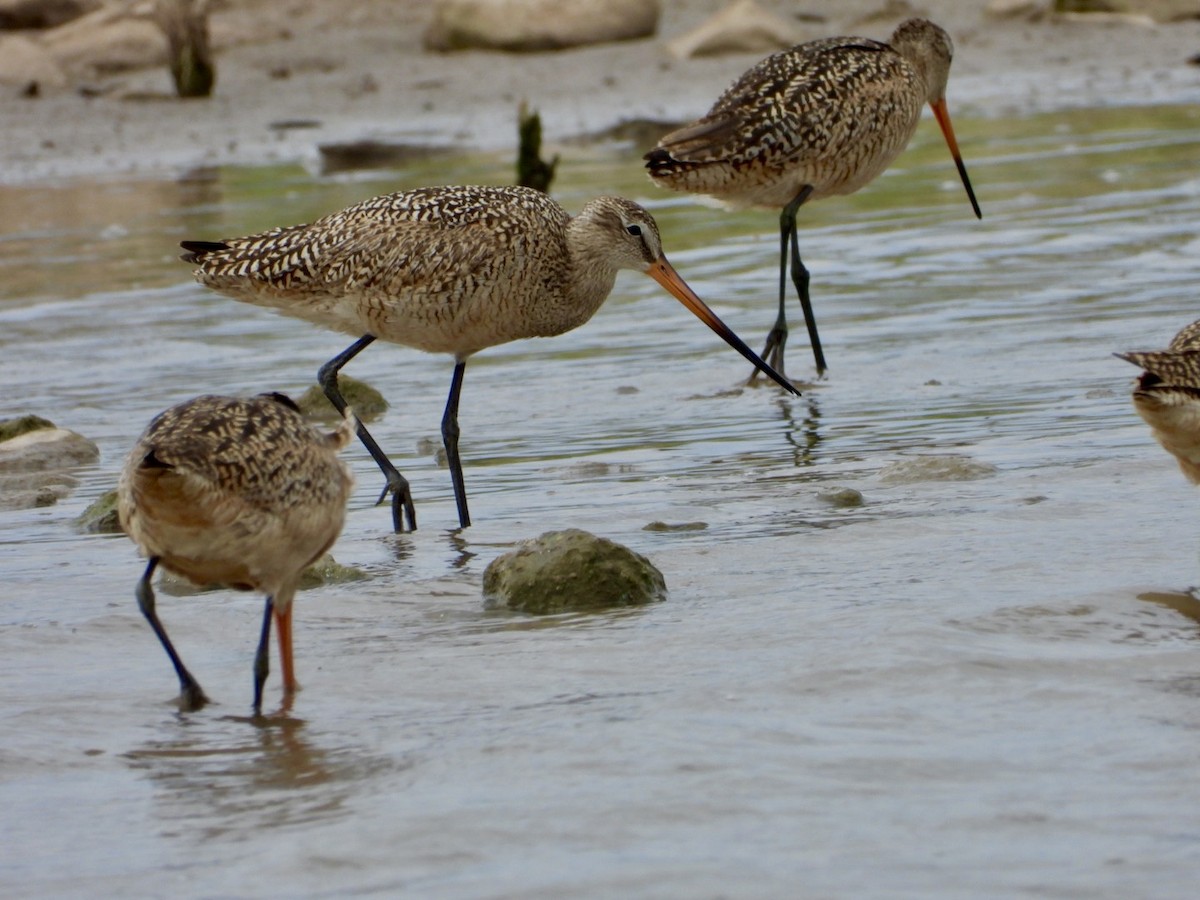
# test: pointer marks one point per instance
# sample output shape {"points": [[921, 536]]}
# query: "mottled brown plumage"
{"points": [[1167, 396], [823, 118], [242, 493], [446, 270]]}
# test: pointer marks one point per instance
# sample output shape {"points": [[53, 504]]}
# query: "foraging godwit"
{"points": [[820, 119], [1167, 396], [447, 270], [242, 493]]}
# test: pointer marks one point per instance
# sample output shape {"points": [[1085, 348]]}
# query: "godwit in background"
{"points": [[1167, 396], [820, 119], [242, 493], [447, 270]]}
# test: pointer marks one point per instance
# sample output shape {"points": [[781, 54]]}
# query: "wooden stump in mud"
{"points": [[532, 170], [185, 23]]}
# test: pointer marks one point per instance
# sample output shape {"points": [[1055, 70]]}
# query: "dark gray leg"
{"points": [[262, 662], [450, 440], [789, 246], [397, 485], [191, 697]]}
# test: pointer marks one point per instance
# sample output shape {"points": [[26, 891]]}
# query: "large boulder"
{"points": [[532, 25]]}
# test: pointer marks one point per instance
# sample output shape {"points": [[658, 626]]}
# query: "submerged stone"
{"points": [[325, 570], [368, 404], [571, 571], [328, 570], [841, 497], [659, 525], [935, 468]]}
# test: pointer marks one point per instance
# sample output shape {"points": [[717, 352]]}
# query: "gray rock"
{"points": [[34, 457], [571, 571], [46, 450]]}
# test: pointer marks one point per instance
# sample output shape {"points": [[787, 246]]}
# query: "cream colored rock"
{"points": [[106, 41], [1016, 9], [743, 27], [532, 25], [1131, 11], [24, 62], [20, 14]]}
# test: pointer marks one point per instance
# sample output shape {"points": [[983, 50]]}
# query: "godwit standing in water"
{"points": [[820, 119], [242, 493], [1167, 396], [447, 270]]}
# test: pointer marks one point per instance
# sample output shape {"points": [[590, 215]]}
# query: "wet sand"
{"points": [[293, 76]]}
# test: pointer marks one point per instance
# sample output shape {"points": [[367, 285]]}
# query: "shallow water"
{"points": [[983, 687]]}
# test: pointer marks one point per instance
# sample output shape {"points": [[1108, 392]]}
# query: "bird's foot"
{"points": [[772, 353], [404, 511], [191, 697]]}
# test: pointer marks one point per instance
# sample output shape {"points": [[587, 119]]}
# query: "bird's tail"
{"points": [[197, 250]]}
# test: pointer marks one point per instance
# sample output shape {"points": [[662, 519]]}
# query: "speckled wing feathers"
{"points": [[818, 108], [232, 491], [400, 266], [1178, 366], [249, 449]]}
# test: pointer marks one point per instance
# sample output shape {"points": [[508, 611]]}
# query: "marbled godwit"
{"points": [[823, 118], [447, 270], [242, 493], [1167, 396]]}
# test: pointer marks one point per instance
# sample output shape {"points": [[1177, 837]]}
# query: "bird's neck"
{"points": [[592, 275]]}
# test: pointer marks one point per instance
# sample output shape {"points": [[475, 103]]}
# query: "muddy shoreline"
{"points": [[291, 77]]}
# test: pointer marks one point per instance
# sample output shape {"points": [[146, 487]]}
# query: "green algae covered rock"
{"points": [[328, 570], [368, 404], [11, 428], [571, 571], [101, 515]]}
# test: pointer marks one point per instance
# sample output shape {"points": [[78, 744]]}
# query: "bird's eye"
{"points": [[635, 230]]}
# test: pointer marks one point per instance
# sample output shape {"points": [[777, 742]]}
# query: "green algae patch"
{"points": [[571, 571], [368, 404], [11, 428], [658, 525], [101, 516]]}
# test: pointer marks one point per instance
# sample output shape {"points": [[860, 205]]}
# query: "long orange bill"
{"points": [[943, 119], [664, 273]]}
